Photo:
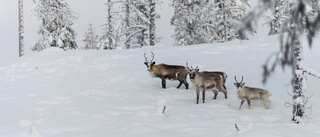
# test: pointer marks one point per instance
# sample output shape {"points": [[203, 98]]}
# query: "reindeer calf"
{"points": [[207, 81], [170, 72], [254, 95]]}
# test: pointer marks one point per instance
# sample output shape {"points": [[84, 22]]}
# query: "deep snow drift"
{"points": [[110, 93]]}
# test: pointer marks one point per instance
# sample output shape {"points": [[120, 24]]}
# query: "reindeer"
{"points": [[164, 71], [251, 94], [207, 81], [224, 76]]}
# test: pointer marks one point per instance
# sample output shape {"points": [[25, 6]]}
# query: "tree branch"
{"points": [[310, 71]]}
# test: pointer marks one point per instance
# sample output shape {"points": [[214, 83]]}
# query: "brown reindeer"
{"points": [[164, 71]]}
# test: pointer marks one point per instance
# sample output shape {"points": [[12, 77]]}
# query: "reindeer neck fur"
{"points": [[239, 93], [152, 74]]}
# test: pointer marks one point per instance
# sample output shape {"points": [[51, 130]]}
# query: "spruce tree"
{"points": [[90, 38], [55, 29]]}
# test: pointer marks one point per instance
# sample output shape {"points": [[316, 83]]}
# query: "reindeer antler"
{"points": [[146, 57], [152, 56], [235, 78]]}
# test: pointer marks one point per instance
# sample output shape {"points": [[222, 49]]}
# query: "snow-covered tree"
{"points": [[142, 18], [187, 22], [113, 27], [55, 29], [90, 38], [152, 24], [280, 12], [110, 26], [21, 28], [227, 15], [139, 19], [291, 53], [128, 23]]}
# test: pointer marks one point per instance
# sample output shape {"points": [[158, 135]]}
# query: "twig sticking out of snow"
{"points": [[236, 127], [164, 109]]}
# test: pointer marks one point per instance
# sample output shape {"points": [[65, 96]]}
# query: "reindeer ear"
{"points": [[235, 84], [146, 63], [153, 63], [197, 69], [242, 84]]}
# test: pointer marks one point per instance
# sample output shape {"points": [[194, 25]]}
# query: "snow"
{"points": [[81, 93]]}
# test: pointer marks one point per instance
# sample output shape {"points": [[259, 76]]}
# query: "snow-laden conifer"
{"points": [[129, 23], [90, 38], [188, 22], [227, 14], [55, 29]]}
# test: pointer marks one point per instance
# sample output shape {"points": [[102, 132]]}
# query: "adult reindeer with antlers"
{"points": [[164, 71]]}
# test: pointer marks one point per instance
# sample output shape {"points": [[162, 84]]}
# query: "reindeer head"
{"points": [[150, 64], [192, 72], [239, 85]]}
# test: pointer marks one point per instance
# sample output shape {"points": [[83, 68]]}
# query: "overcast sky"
{"points": [[93, 11]]}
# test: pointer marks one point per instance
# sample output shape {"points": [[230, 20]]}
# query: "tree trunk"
{"points": [[109, 35], [152, 26], [224, 21], [298, 80], [127, 42], [21, 28]]}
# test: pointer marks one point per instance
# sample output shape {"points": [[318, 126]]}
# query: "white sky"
{"points": [[93, 11]]}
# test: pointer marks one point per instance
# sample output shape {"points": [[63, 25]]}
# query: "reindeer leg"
{"points": [[203, 95], [198, 92], [268, 102], [225, 95], [163, 83], [242, 101], [186, 84], [249, 103], [179, 84], [224, 86], [215, 92]]}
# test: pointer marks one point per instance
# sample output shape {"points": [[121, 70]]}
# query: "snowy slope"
{"points": [[110, 93]]}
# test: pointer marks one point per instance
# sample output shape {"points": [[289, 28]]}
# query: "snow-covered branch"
{"points": [[309, 70]]}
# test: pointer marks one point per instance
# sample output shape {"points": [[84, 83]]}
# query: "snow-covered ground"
{"points": [[110, 93]]}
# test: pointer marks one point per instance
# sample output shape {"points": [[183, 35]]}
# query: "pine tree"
{"points": [[291, 53], [90, 38], [56, 20], [21, 28]]}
